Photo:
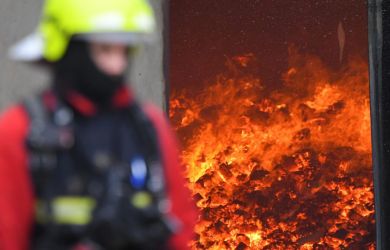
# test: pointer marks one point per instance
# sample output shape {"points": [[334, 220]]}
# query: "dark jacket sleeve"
{"points": [[16, 196], [183, 207]]}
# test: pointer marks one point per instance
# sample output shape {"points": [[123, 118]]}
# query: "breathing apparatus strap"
{"points": [[45, 140], [46, 137], [156, 182]]}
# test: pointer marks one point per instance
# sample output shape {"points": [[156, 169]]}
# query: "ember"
{"points": [[286, 167]]}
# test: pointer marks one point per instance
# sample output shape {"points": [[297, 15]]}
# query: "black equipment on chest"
{"points": [[98, 181]]}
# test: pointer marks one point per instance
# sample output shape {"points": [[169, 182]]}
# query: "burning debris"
{"points": [[286, 167]]}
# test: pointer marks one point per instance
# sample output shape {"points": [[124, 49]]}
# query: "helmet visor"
{"points": [[117, 37]]}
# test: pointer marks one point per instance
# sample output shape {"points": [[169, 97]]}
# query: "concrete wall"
{"points": [[18, 18]]}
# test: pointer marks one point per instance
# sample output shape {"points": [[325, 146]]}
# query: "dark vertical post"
{"points": [[384, 69], [165, 7], [380, 117]]}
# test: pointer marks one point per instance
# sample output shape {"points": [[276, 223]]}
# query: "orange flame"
{"points": [[285, 167]]}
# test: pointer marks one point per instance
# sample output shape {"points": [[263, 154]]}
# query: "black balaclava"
{"points": [[76, 71]]}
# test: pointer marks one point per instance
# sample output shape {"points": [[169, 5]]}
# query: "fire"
{"points": [[280, 167]]}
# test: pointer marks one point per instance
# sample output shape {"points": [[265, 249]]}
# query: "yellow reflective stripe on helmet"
{"points": [[73, 210]]}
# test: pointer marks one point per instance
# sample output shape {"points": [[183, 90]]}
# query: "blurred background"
{"points": [[19, 18]]}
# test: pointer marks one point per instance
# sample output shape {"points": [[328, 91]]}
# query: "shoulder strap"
{"points": [[35, 139], [147, 131], [157, 184], [36, 110], [45, 138]]}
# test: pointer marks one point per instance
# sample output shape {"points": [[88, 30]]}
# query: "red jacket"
{"points": [[16, 191]]}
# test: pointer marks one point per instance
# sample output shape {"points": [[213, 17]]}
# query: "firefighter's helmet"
{"points": [[122, 21]]}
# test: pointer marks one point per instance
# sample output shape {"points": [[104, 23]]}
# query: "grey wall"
{"points": [[147, 76], [18, 18]]}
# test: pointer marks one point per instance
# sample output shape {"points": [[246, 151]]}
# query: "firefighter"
{"points": [[83, 164]]}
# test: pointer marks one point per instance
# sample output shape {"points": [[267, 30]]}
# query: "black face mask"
{"points": [[76, 71]]}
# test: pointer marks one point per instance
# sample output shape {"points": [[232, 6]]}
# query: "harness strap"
{"points": [[36, 110], [147, 131], [46, 138], [43, 143]]}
